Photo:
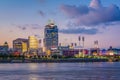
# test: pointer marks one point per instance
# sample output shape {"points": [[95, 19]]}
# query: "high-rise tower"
{"points": [[51, 36], [33, 42]]}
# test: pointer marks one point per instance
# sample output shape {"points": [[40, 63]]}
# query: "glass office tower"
{"points": [[51, 36]]}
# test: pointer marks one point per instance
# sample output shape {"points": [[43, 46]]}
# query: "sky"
{"points": [[93, 19]]}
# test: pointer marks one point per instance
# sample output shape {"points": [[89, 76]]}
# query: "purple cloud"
{"points": [[27, 26], [42, 13], [95, 14], [36, 35], [73, 11], [35, 26], [91, 31], [22, 27]]}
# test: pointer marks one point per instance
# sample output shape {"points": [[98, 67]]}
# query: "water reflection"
{"points": [[60, 71], [33, 77], [37, 77], [33, 66]]}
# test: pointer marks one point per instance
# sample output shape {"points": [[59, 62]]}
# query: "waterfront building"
{"points": [[33, 46], [61, 48], [96, 50], [70, 52], [4, 48], [113, 51], [51, 36], [20, 45], [33, 42]]}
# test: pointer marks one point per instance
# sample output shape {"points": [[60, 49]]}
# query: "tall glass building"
{"points": [[33, 45], [33, 42], [50, 36]]}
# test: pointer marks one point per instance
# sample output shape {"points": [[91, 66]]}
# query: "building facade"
{"points": [[50, 36], [33, 46], [33, 42], [20, 45], [4, 48]]}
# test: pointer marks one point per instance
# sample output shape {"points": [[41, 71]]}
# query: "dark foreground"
{"points": [[60, 71], [53, 60]]}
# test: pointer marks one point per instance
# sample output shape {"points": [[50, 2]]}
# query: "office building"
{"points": [[51, 36], [4, 48], [33, 42], [20, 45]]}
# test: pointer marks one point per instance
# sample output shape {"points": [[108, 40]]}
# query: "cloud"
{"points": [[91, 15], [91, 31], [73, 11], [27, 26], [36, 26], [22, 27], [42, 13], [36, 35]]}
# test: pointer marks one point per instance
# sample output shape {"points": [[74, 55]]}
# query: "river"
{"points": [[60, 71]]}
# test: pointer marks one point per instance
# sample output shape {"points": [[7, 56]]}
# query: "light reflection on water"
{"points": [[60, 71]]}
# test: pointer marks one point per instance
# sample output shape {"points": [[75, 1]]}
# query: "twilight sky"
{"points": [[94, 19]]}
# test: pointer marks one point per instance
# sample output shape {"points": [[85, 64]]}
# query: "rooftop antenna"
{"points": [[50, 21]]}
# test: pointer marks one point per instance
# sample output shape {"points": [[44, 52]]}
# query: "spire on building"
{"points": [[51, 23]]}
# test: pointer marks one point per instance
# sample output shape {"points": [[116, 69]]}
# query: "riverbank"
{"points": [[54, 60]]}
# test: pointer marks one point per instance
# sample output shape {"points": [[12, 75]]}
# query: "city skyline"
{"points": [[90, 18]]}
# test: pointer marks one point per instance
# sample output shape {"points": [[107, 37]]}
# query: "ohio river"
{"points": [[60, 71]]}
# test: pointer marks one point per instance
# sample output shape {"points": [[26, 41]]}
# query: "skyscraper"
{"points": [[51, 36], [33, 42]]}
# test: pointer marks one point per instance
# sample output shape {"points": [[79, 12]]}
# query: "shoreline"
{"points": [[55, 60]]}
